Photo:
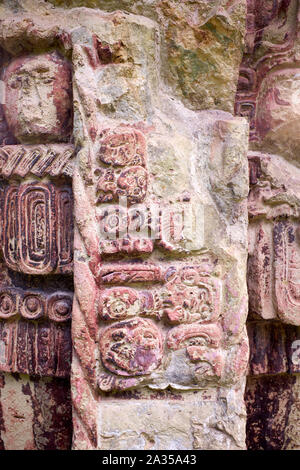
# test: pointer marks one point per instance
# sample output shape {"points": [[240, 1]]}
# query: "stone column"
{"points": [[160, 187], [160, 347], [36, 249]]}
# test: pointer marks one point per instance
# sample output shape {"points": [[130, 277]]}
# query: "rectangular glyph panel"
{"points": [[38, 228]]}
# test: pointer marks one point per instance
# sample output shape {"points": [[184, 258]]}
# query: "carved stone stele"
{"points": [[268, 89], [158, 319], [160, 292]]}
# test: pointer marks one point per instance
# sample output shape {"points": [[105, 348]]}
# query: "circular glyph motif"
{"points": [[132, 347]]}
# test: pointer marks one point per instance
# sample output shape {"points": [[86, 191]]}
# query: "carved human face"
{"points": [[38, 98], [132, 347]]}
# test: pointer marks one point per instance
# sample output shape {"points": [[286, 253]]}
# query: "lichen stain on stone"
{"points": [[269, 400]]}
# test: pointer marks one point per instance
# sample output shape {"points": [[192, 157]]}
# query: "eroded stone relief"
{"points": [[160, 207], [36, 232], [268, 95], [155, 310]]}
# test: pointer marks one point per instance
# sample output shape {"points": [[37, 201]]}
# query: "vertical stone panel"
{"points": [[160, 191], [268, 95], [36, 163], [160, 292]]}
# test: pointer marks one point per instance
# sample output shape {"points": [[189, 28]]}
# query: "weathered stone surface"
{"points": [[268, 91], [292, 437], [201, 42], [190, 281], [35, 414], [202, 45], [169, 420], [273, 412], [274, 348], [160, 282], [273, 266]]}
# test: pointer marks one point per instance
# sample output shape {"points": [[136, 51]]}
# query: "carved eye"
{"points": [[62, 308], [47, 80], [117, 306], [98, 172]]}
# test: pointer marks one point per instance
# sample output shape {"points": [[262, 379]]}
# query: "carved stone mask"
{"points": [[38, 98]]}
